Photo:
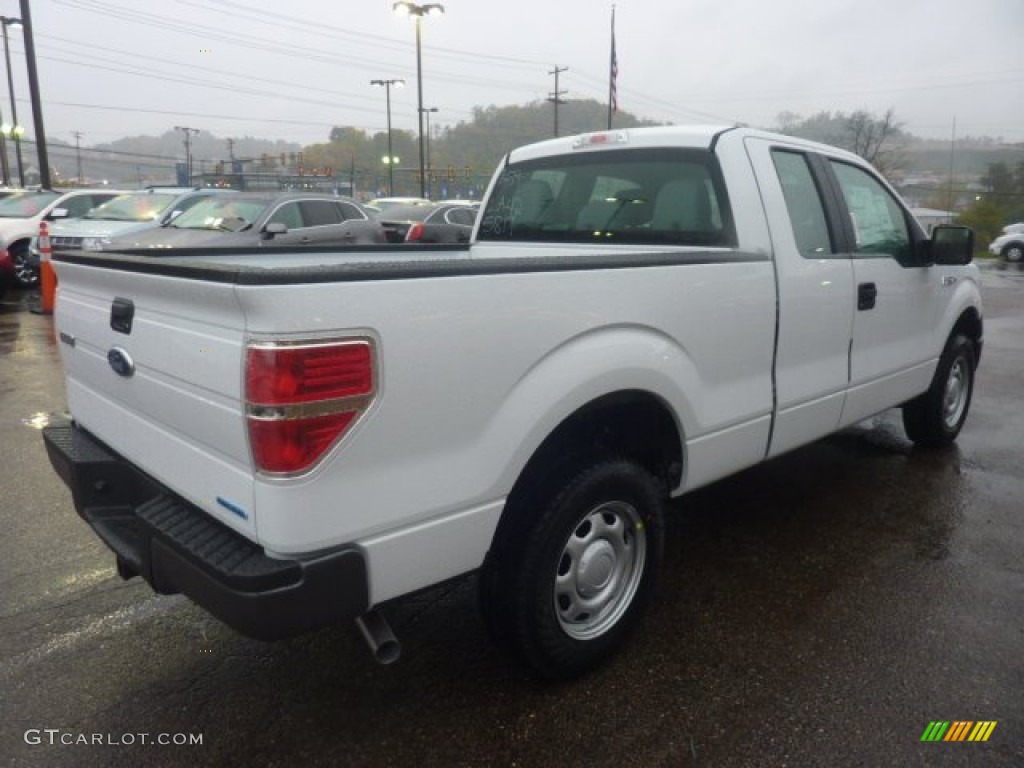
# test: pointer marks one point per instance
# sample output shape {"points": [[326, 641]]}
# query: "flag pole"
{"points": [[613, 72]]}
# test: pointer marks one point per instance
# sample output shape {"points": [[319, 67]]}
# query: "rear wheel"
{"points": [[1014, 252], [935, 418], [572, 588], [25, 274]]}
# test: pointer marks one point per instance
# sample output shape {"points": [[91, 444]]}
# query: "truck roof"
{"points": [[685, 136]]}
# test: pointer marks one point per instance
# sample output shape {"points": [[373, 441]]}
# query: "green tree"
{"points": [[1006, 187], [986, 217]]}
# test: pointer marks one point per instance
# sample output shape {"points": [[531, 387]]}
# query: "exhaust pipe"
{"points": [[378, 635]]}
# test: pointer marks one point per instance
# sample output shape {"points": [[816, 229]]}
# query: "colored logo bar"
{"points": [[958, 730]]}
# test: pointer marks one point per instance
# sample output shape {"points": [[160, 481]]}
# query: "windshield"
{"points": [[634, 196], [231, 215], [134, 207], [25, 205]]}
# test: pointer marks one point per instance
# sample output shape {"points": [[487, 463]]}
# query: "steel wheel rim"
{"points": [[599, 570], [23, 271], [954, 400]]}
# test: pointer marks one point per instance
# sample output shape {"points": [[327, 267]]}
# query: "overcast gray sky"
{"points": [[291, 70]]}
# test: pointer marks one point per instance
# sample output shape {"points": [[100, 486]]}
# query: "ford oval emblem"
{"points": [[121, 362]]}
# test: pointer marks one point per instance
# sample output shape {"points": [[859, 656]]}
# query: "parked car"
{"points": [[21, 213], [1010, 244], [262, 219], [125, 214], [435, 223]]}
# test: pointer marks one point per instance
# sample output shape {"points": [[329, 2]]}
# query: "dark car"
{"points": [[436, 223], [259, 220]]}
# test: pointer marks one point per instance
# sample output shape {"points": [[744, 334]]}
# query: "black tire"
{"points": [[570, 590], [1014, 252], [934, 419], [25, 275]]}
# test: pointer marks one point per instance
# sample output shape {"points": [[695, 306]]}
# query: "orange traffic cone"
{"points": [[47, 275]]}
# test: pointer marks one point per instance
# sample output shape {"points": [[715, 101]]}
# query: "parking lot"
{"points": [[819, 610]]}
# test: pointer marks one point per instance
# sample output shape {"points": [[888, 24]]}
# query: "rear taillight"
{"points": [[302, 397], [415, 233]]}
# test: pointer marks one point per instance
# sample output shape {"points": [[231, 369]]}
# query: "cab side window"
{"points": [[879, 224], [803, 201]]}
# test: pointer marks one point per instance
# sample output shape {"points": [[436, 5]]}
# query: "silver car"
{"points": [[127, 214], [262, 220]]}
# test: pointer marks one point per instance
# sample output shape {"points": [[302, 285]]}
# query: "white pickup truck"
{"points": [[294, 438]]}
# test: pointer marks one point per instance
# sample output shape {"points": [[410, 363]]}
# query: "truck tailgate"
{"points": [[153, 382]]}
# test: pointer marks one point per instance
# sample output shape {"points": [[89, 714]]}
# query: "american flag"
{"points": [[613, 75]]}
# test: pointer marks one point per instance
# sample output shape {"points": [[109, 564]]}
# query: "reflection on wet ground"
{"points": [[14, 309]]}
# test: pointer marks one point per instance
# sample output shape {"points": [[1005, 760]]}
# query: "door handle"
{"points": [[866, 295], [948, 280]]}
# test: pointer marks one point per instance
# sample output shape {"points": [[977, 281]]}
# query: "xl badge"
{"points": [[121, 362]]}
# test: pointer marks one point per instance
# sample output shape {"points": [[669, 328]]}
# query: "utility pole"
{"points": [[231, 149], [556, 97], [37, 99], [78, 154], [189, 132]]}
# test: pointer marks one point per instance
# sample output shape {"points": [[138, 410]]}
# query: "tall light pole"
{"points": [[426, 111], [386, 85], [16, 129], [417, 12], [34, 93], [4, 168]]}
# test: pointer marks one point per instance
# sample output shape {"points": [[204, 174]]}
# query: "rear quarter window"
{"points": [[632, 196]]}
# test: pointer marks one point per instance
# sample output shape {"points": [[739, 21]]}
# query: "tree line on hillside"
{"points": [[466, 153]]}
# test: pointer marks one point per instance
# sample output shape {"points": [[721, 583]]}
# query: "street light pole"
{"points": [[386, 84], [16, 129], [426, 111], [4, 168], [417, 12]]}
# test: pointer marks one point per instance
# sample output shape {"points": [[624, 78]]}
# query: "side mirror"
{"points": [[272, 229], [952, 245], [58, 213]]}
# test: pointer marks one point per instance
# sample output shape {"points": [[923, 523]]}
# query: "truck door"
{"points": [[815, 294], [896, 297]]}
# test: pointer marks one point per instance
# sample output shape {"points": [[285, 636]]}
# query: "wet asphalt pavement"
{"points": [[818, 610]]}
